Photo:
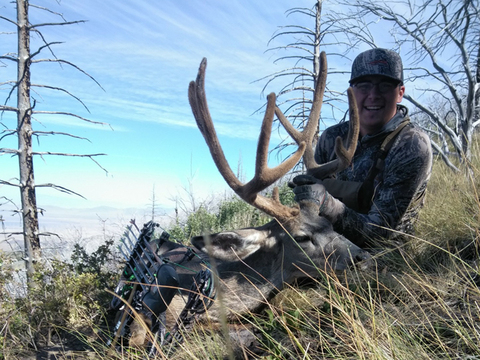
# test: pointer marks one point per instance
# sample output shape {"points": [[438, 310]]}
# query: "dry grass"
{"points": [[427, 307]]}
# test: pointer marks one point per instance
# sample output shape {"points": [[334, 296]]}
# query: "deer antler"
{"points": [[264, 176], [344, 154]]}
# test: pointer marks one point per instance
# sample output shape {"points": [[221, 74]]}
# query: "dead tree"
{"points": [[440, 45], [303, 48], [25, 110]]}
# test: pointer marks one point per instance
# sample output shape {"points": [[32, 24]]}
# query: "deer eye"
{"points": [[302, 238]]}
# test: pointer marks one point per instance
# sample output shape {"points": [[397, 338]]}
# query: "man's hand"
{"points": [[308, 188]]}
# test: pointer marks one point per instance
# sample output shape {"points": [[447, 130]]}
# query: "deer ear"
{"points": [[229, 245]]}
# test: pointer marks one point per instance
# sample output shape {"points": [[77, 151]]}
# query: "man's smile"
{"points": [[373, 108]]}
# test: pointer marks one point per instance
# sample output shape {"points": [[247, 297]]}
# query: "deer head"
{"points": [[297, 242]]}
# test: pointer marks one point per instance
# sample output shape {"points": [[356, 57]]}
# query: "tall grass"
{"points": [[450, 220], [422, 303]]}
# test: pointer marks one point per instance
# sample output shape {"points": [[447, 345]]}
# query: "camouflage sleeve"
{"points": [[406, 172]]}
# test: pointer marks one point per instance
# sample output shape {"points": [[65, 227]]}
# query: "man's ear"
{"points": [[401, 92]]}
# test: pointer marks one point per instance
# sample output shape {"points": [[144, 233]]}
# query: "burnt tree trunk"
{"points": [[477, 89], [25, 152]]}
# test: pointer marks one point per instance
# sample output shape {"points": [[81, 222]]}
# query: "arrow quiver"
{"points": [[147, 282], [141, 261]]}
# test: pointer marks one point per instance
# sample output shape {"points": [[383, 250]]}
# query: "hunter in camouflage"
{"points": [[393, 186]]}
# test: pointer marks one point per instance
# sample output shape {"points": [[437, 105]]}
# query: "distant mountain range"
{"points": [[76, 225]]}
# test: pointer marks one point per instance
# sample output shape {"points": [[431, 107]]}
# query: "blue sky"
{"points": [[144, 54]]}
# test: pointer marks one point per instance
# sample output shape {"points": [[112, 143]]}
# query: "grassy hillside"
{"points": [[420, 302]]}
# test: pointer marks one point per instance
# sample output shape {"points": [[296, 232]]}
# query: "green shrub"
{"points": [[102, 262], [232, 213], [197, 223], [68, 297], [6, 275]]}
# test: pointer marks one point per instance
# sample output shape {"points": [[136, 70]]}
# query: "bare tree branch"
{"points": [[66, 154], [73, 115], [62, 90], [57, 24], [3, 182], [71, 64], [9, 151], [10, 82], [45, 133], [49, 234], [7, 200], [6, 57], [452, 135], [48, 10], [39, 50], [61, 189], [90, 156], [444, 157], [11, 234], [9, 20], [8, 108], [8, 133]]}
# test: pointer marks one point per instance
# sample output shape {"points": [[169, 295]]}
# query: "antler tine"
{"points": [[344, 154], [264, 176], [312, 124], [198, 103]]}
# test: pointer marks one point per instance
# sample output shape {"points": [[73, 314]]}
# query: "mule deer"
{"points": [[257, 261], [254, 263]]}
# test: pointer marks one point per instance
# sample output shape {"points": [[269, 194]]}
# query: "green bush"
{"points": [[197, 223], [6, 275], [235, 213], [66, 297], [232, 213], [101, 262]]}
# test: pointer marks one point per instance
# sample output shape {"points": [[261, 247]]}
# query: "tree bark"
{"points": [[25, 152], [316, 45], [476, 116]]}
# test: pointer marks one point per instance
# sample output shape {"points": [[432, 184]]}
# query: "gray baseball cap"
{"points": [[377, 62]]}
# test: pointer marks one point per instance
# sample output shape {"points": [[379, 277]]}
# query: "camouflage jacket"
{"points": [[399, 188]]}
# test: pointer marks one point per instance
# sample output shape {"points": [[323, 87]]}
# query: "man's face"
{"points": [[377, 98]]}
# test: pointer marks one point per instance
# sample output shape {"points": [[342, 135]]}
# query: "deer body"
{"points": [[253, 264]]}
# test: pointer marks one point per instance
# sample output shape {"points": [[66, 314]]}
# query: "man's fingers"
{"points": [[304, 180]]}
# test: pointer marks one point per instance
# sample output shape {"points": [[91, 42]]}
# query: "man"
{"points": [[385, 195]]}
